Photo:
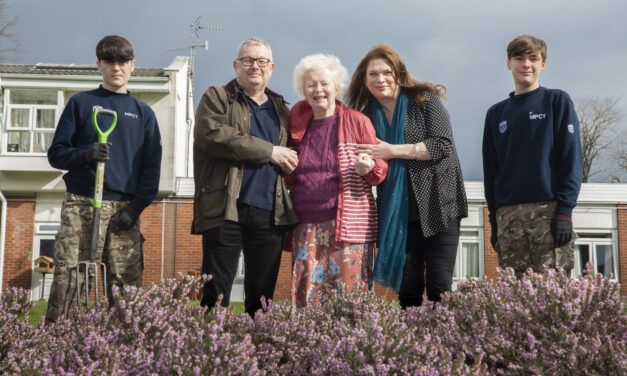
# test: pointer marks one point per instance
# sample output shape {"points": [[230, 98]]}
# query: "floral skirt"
{"points": [[320, 263]]}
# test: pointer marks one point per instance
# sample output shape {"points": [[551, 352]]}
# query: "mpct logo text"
{"points": [[533, 116], [130, 114]]}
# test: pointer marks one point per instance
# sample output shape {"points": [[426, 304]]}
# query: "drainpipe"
{"points": [[162, 235], [3, 228]]}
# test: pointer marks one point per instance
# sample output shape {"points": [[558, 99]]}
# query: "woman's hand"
{"points": [[363, 164], [382, 150]]}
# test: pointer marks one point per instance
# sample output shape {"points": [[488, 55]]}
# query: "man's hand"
{"points": [[124, 218], [561, 229], [285, 158], [363, 164], [99, 152]]}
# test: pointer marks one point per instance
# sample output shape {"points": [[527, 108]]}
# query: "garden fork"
{"points": [[92, 264]]}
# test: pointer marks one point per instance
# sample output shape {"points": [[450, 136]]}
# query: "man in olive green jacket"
{"points": [[241, 201]]}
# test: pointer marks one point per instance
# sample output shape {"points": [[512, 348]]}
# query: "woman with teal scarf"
{"points": [[423, 199]]}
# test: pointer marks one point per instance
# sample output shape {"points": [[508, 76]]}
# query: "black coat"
{"points": [[437, 184]]}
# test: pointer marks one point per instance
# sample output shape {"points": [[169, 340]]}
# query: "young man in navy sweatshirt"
{"points": [[532, 166], [133, 165]]}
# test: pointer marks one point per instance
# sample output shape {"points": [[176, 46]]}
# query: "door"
{"points": [[43, 246]]}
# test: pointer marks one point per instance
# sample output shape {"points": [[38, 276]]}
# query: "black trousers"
{"points": [[261, 241], [437, 255]]}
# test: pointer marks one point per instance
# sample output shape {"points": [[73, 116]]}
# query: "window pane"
{"points": [[46, 247], [582, 257], [45, 118], [20, 96], [18, 142], [42, 141], [20, 118], [605, 259], [469, 233], [48, 228], [603, 235], [471, 252]]}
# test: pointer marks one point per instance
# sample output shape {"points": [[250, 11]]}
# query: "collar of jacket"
{"points": [[300, 117], [233, 91]]}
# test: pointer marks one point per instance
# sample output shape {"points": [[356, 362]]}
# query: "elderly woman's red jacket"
{"points": [[356, 220]]}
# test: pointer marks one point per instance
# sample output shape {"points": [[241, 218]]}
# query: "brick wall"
{"points": [[18, 246], [151, 229], [188, 246], [621, 215], [490, 259], [182, 251], [283, 288]]}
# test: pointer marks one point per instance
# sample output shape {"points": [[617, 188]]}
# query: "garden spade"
{"points": [[93, 264]]}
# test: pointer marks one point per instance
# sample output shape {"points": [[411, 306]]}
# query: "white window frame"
{"points": [[461, 254], [592, 242], [31, 129]]}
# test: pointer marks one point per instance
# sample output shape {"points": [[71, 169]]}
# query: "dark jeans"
{"points": [[437, 255], [261, 241]]}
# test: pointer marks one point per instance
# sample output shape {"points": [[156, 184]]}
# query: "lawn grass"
{"points": [[39, 310]]}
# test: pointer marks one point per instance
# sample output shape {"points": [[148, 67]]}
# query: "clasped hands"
{"points": [[285, 158], [366, 153]]}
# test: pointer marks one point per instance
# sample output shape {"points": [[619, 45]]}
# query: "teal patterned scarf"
{"points": [[388, 267]]}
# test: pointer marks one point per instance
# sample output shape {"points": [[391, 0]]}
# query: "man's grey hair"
{"points": [[254, 42]]}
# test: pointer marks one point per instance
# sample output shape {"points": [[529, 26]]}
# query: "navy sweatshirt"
{"points": [[532, 151], [132, 171]]}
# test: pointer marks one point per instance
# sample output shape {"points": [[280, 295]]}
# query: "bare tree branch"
{"points": [[9, 44], [602, 137]]}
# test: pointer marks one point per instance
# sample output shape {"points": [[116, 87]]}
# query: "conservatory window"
{"points": [[29, 120]]}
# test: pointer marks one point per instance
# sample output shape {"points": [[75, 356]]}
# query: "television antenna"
{"points": [[194, 33], [193, 36]]}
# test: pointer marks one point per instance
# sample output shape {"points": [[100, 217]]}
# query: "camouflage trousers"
{"points": [[121, 252], [525, 239]]}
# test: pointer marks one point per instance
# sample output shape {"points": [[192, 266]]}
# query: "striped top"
{"points": [[357, 213]]}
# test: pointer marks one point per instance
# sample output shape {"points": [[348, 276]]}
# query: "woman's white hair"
{"points": [[318, 62]]}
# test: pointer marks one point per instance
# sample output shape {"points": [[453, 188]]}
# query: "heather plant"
{"points": [[146, 331], [542, 324], [15, 332], [352, 333]]}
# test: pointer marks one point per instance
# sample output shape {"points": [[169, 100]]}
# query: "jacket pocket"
{"points": [[212, 202]]}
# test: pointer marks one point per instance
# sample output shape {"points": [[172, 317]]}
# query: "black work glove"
{"points": [[562, 230], [124, 218], [494, 236], [99, 152], [493, 239]]}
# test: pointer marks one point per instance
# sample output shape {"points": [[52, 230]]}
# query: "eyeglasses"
{"points": [[248, 61]]}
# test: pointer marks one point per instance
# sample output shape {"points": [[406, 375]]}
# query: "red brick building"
{"points": [[170, 248]]}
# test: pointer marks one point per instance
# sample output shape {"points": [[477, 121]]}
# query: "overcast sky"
{"points": [[458, 43]]}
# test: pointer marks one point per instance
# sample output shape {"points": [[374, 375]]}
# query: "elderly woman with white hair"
{"points": [[332, 186]]}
